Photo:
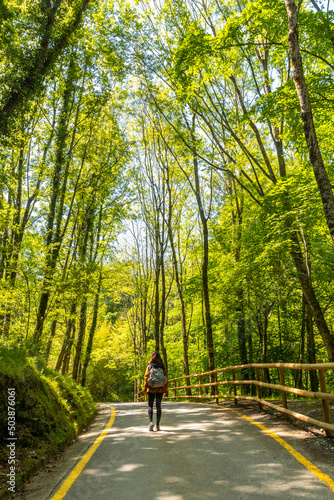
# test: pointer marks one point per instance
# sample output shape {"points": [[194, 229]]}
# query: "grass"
{"points": [[50, 411]]}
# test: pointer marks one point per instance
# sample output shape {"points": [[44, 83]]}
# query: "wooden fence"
{"points": [[198, 391]]}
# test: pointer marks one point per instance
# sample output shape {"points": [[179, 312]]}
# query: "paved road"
{"points": [[201, 453]]}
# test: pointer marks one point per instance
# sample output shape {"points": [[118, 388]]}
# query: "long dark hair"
{"points": [[155, 357]]}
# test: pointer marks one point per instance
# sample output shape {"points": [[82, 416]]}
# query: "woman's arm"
{"points": [[146, 377], [166, 385]]}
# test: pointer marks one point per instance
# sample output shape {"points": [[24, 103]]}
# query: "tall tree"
{"points": [[320, 172], [53, 26]]}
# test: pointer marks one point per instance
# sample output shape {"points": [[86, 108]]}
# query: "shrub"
{"points": [[50, 410]]}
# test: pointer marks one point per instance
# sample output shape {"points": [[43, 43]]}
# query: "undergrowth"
{"points": [[50, 410]]}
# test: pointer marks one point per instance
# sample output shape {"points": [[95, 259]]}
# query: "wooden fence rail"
{"points": [[284, 389]]}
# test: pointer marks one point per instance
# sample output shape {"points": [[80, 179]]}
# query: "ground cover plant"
{"points": [[50, 410]]}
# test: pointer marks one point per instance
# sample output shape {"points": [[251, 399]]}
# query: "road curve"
{"points": [[200, 453]]}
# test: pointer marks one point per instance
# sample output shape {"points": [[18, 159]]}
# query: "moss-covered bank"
{"points": [[49, 411]]}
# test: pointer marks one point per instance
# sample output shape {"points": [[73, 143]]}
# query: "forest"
{"points": [[166, 171]]}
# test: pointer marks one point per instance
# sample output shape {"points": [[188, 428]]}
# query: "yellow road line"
{"points": [[312, 468], [78, 468]]}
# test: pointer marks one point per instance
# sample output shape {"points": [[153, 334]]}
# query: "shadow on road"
{"points": [[200, 453]]}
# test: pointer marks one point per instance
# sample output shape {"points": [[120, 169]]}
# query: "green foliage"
{"points": [[98, 183], [110, 383], [193, 49], [112, 371], [50, 409]]}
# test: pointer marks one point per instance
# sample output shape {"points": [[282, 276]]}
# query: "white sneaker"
{"points": [[157, 427], [151, 426]]}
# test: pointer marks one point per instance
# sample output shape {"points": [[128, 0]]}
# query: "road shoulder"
{"points": [[46, 481], [309, 441]]}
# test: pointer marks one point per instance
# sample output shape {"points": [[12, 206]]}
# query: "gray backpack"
{"points": [[157, 377]]}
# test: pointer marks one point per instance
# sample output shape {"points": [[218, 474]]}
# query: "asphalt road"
{"points": [[200, 453]]}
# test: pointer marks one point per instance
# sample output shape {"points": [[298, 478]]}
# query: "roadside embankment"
{"points": [[41, 412]]}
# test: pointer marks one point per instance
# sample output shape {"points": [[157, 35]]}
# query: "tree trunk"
{"points": [[163, 311], [316, 159], [250, 360], [179, 288], [205, 281], [299, 373], [157, 291], [143, 306], [51, 337], [52, 240], [303, 273], [80, 340], [308, 290], [67, 337], [242, 337], [311, 351], [10, 255], [67, 356], [266, 374], [236, 217], [91, 332], [83, 259], [4, 258]]}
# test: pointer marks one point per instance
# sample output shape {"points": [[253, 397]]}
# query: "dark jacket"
{"points": [[147, 388]]}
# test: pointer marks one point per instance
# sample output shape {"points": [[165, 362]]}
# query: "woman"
{"points": [[155, 392]]}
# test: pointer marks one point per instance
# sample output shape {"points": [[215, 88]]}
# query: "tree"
{"points": [[51, 29], [320, 173]]}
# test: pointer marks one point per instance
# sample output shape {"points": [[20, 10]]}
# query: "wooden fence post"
{"points": [[234, 388], [187, 379], [200, 386], [283, 393], [325, 404], [258, 388], [174, 389], [216, 389]]}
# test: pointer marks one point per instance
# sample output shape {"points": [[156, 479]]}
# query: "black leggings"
{"points": [[151, 396]]}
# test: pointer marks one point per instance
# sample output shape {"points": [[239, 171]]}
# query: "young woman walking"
{"points": [[155, 392]]}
